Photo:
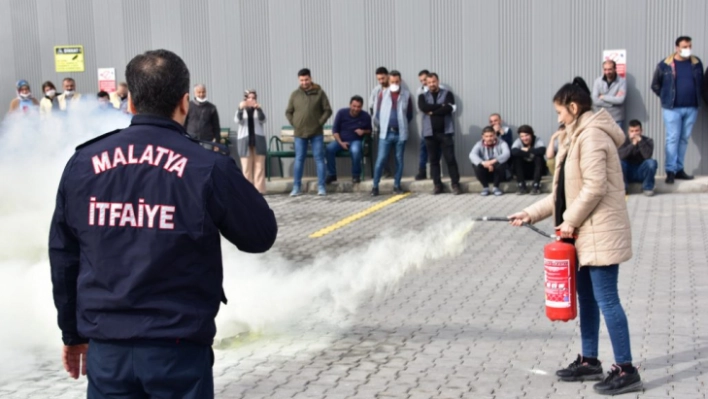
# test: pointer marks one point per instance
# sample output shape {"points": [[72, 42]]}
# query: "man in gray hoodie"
{"points": [[489, 158], [609, 92]]}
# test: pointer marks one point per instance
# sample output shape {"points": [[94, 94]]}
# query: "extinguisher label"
{"points": [[557, 283]]}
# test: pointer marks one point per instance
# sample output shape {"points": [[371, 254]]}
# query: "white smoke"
{"points": [[266, 292]]}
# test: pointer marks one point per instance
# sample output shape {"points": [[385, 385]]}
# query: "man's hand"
{"points": [[636, 139], [519, 218], [242, 105], [360, 132], [344, 145], [74, 359], [497, 128]]}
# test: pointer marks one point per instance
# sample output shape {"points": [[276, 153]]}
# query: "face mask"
{"points": [[395, 88], [69, 93], [25, 96], [425, 89], [200, 100], [50, 93], [685, 52]]}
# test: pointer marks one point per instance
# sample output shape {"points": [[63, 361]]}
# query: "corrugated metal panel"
{"points": [[504, 56]]}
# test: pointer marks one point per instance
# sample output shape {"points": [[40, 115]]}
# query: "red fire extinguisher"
{"points": [[559, 269]]}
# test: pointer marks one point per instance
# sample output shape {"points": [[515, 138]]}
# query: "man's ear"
{"points": [[184, 104], [131, 106]]}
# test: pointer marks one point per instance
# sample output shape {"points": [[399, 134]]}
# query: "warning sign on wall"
{"points": [[620, 59], [69, 58]]}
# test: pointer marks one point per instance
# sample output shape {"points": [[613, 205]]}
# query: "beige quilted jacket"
{"points": [[594, 190]]}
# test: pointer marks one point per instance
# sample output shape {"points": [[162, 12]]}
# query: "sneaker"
{"points": [[296, 192], [330, 179], [374, 192], [670, 176], [456, 189], [681, 175], [356, 180], [498, 191], [522, 189], [321, 191], [485, 192], [649, 193], [397, 190], [580, 371], [536, 190], [437, 190], [618, 381]]}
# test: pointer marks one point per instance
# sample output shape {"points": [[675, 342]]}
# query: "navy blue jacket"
{"points": [[663, 84], [134, 247]]}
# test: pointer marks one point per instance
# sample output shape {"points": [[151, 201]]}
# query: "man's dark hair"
{"points": [[424, 72], [488, 129], [102, 94], [303, 72], [69, 80], [395, 73], [48, 84], [433, 75], [614, 64], [635, 123], [526, 129], [682, 39], [381, 71], [576, 92], [158, 80], [357, 98]]}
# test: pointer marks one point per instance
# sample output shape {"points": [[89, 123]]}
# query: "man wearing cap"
{"points": [[24, 100]]}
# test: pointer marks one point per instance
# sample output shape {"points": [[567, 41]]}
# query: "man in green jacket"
{"points": [[308, 110]]}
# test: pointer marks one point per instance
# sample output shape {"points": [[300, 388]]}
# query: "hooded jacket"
{"points": [[308, 111], [594, 190]]}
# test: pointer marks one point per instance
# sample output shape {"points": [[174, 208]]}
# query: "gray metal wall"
{"points": [[506, 56]]}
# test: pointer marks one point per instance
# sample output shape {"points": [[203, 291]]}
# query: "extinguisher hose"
{"points": [[504, 219]]}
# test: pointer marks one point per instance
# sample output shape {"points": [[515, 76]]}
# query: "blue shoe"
{"points": [[485, 192], [296, 192], [321, 191], [498, 191]]}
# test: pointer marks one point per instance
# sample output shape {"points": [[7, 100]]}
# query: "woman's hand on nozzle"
{"points": [[519, 218]]}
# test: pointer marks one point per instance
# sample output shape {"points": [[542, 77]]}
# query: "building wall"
{"points": [[506, 56]]}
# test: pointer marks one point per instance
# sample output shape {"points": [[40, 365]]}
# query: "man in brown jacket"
{"points": [[308, 110]]}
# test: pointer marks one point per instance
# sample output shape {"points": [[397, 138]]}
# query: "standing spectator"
{"points": [[423, 150], [501, 129], [307, 111], [69, 97], [48, 103], [350, 126], [552, 148], [382, 77], [637, 163], [437, 106], [394, 113], [104, 100], [678, 81], [251, 140], [202, 119], [119, 98], [527, 159], [23, 102], [489, 158], [609, 92]]}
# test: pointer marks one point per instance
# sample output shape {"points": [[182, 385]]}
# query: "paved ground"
{"points": [[464, 322]]}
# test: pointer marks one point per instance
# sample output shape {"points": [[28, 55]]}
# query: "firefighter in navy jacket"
{"points": [[135, 246]]}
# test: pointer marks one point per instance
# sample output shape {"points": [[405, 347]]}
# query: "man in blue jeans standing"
{"points": [[678, 81], [350, 126], [637, 163], [393, 116], [308, 110]]}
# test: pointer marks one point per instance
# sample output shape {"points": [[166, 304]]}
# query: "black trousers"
{"points": [[445, 142], [149, 369], [526, 170], [484, 175]]}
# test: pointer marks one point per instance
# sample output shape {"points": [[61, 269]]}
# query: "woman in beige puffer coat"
{"points": [[588, 203]]}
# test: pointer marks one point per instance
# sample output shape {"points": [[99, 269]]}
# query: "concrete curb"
{"points": [[467, 184]]}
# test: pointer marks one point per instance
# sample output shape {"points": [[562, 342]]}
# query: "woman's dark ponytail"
{"points": [[576, 92]]}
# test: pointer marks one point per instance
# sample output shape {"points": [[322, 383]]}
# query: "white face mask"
{"points": [[50, 93], [25, 96], [69, 93], [200, 100], [425, 89], [685, 52], [394, 88]]}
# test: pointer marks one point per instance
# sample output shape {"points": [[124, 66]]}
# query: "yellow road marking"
{"points": [[349, 219]]}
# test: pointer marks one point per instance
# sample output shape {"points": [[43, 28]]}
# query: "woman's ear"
{"points": [[573, 109]]}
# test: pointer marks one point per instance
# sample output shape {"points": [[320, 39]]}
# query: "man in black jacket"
{"points": [[135, 249], [637, 163], [202, 120], [527, 158]]}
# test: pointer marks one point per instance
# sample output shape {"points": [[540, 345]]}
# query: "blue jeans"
{"points": [[643, 173], [354, 149], [679, 123], [301, 154], [597, 291], [384, 148]]}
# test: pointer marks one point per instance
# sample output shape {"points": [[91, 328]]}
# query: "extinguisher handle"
{"points": [[539, 231], [557, 235]]}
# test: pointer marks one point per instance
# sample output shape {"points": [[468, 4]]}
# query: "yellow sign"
{"points": [[69, 58]]}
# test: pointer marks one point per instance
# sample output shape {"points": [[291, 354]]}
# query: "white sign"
{"points": [[619, 57]]}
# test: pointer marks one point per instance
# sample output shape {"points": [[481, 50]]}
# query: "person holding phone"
{"points": [[251, 140], [590, 210]]}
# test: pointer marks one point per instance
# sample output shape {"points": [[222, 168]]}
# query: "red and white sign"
{"points": [[557, 283], [619, 57], [107, 79]]}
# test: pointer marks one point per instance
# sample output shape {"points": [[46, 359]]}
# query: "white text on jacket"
{"points": [[151, 155], [126, 214]]}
